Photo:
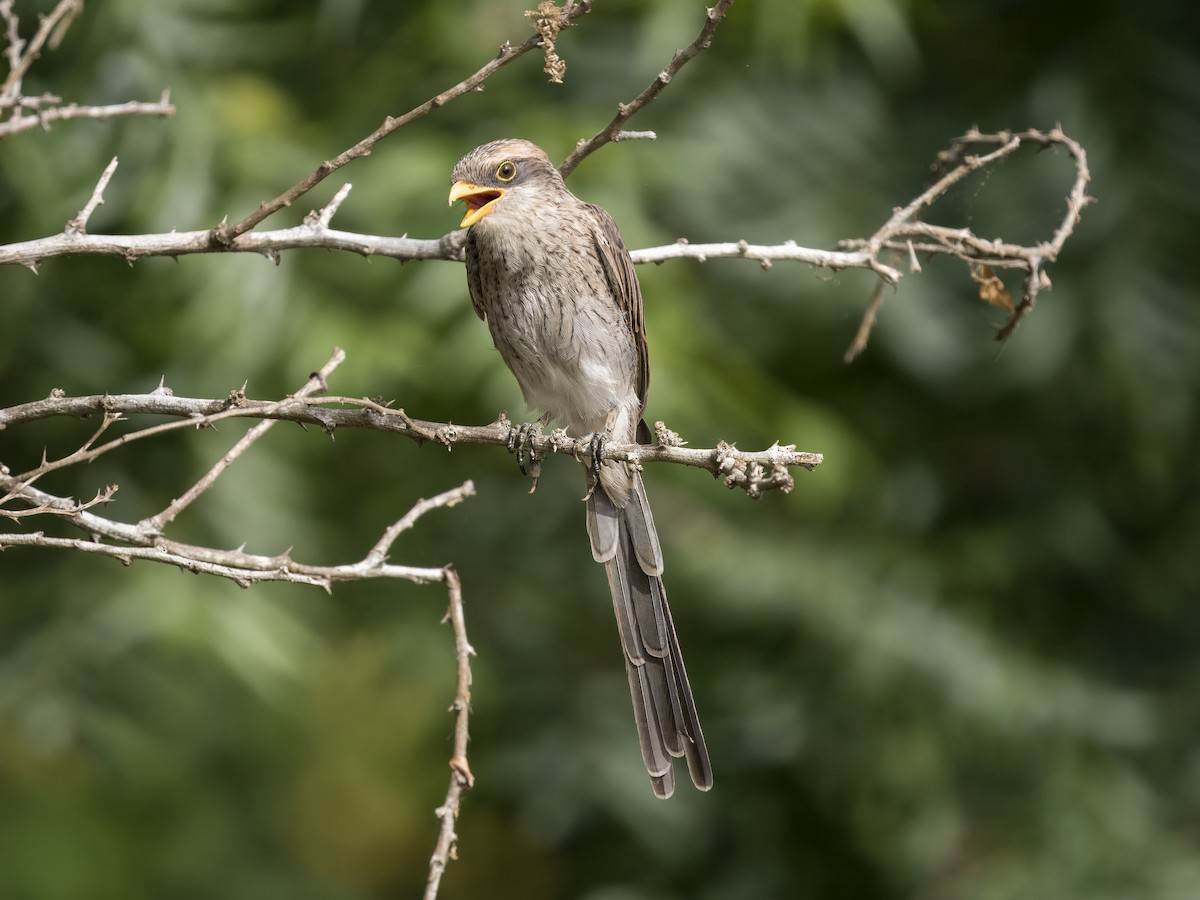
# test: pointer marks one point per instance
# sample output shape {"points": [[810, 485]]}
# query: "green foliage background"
{"points": [[959, 661]]}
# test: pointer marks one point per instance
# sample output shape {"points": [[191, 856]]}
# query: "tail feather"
{"points": [[625, 540], [642, 533], [603, 525]]}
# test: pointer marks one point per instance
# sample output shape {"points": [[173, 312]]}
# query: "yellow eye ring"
{"points": [[506, 171]]}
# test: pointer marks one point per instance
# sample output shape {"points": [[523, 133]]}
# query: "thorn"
{"points": [[459, 764]]}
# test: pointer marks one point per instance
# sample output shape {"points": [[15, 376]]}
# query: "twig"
{"points": [[1035, 280], [104, 495], [21, 59], [44, 117], [78, 225], [461, 779], [13, 45], [224, 234], [317, 381], [626, 111], [452, 497], [859, 344], [28, 102], [320, 219], [45, 109]]}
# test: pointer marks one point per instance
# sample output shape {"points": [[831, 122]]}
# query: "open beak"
{"points": [[480, 201]]}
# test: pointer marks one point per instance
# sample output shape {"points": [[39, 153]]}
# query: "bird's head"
{"points": [[510, 171]]}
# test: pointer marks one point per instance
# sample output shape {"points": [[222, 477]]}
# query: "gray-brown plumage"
{"points": [[552, 278]]}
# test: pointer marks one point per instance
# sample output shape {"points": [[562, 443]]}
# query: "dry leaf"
{"points": [[547, 19], [991, 288]]}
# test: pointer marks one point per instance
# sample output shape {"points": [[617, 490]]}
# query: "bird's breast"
{"points": [[557, 327]]}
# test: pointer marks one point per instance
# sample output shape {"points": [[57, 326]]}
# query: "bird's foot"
{"points": [[594, 444], [520, 442]]}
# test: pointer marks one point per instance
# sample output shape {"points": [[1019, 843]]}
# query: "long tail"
{"points": [[625, 540]]}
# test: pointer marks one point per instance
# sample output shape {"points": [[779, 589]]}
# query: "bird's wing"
{"points": [[622, 281], [471, 255]]}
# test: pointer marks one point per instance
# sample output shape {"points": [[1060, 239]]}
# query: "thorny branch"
{"points": [[145, 540], [44, 117], [78, 225], [21, 55], [461, 779], [905, 232], [29, 112], [903, 235], [610, 132], [752, 471], [318, 381], [127, 542], [20, 499], [224, 234]]}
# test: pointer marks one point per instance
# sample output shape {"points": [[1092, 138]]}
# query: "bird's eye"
{"points": [[507, 171]]}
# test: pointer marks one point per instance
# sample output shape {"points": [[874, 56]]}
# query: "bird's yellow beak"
{"points": [[480, 200]]}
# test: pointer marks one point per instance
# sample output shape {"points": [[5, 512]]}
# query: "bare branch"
{"points": [[104, 495], [241, 568], [45, 109], [764, 254], [313, 235], [310, 234], [44, 117], [144, 540], [317, 381], [859, 344], [22, 56], [448, 498], [904, 232], [13, 45], [1035, 280], [752, 471], [236, 565], [224, 234], [626, 111], [127, 542], [461, 779]]}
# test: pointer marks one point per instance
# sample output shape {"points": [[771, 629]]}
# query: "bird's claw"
{"points": [[595, 443], [520, 442]]}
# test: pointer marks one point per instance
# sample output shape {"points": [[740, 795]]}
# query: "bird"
{"points": [[553, 280]]}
